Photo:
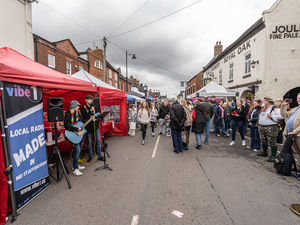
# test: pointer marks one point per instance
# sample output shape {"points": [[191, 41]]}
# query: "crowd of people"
{"points": [[267, 122]]}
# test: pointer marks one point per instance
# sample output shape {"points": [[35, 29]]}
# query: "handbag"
{"points": [[132, 126]]}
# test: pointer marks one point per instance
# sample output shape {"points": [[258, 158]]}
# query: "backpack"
{"points": [[284, 162]]}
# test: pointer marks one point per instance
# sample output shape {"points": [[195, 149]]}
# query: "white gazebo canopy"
{"points": [[214, 89], [83, 75]]}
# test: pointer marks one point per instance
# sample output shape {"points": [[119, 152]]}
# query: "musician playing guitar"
{"points": [[72, 117], [87, 111]]}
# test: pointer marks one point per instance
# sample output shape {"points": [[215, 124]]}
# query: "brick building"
{"points": [[61, 56], [194, 85]]}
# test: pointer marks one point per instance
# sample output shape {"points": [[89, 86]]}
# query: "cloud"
{"points": [[182, 43]]}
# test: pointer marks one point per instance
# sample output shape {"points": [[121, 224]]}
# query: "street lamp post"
{"points": [[133, 57], [145, 90]]}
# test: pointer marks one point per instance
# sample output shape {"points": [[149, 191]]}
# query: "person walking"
{"points": [[131, 120], [144, 119], [219, 120], [268, 128], [238, 120], [199, 122], [187, 124], [72, 117], [178, 118], [163, 112], [252, 120], [153, 117], [208, 109]]}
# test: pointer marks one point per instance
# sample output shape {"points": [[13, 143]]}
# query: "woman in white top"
{"points": [[144, 119], [153, 117]]}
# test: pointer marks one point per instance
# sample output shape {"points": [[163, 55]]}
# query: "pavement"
{"points": [[216, 185]]}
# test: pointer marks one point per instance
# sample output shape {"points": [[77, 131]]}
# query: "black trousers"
{"points": [[144, 129], [152, 126]]}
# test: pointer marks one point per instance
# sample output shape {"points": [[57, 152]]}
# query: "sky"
{"points": [[169, 51]]}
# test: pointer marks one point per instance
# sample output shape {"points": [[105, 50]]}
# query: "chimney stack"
{"points": [[119, 69], [218, 49]]}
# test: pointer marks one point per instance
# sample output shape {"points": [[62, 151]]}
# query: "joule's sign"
{"points": [[285, 32]]}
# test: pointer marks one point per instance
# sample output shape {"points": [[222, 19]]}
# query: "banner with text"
{"points": [[24, 108]]}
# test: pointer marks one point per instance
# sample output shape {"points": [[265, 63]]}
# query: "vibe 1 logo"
{"points": [[18, 91]]}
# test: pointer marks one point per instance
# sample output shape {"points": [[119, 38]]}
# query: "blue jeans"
{"points": [[198, 139], [98, 143], [177, 140], [255, 138], [237, 124], [220, 125], [207, 131], [76, 153]]}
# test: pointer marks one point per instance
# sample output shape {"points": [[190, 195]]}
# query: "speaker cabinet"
{"points": [[97, 104], [55, 109]]}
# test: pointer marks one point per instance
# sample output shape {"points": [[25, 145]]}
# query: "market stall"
{"points": [[25, 87], [111, 99]]}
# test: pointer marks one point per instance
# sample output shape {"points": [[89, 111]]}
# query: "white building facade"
{"points": [[16, 26], [265, 60]]}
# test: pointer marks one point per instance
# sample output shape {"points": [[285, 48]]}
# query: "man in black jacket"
{"points": [[178, 117], [209, 111], [72, 117], [163, 111], [87, 111]]}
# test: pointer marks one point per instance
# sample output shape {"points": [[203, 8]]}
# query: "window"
{"points": [[248, 63], [51, 61], [231, 71], [68, 68], [110, 82], [116, 84], [110, 73], [98, 64], [116, 77], [220, 77], [80, 68]]}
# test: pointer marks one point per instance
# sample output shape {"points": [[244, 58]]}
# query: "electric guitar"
{"points": [[76, 136]]}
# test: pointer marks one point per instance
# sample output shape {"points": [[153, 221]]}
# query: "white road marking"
{"points": [[155, 147], [135, 220]]}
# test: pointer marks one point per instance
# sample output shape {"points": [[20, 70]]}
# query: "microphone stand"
{"points": [[104, 147]]}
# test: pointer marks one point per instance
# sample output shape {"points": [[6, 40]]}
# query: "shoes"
{"points": [[160, 133], [168, 135], [271, 159], [248, 146], [198, 147], [81, 167], [218, 135], [227, 135], [243, 143], [77, 172], [186, 148], [176, 152], [231, 143], [143, 142], [262, 154], [153, 134], [255, 150], [90, 160], [298, 176], [206, 143], [101, 158], [295, 209]]}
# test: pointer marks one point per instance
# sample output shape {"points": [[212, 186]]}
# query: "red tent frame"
{"points": [[17, 68]]}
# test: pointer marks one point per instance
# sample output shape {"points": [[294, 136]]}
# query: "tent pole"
{"points": [[8, 170]]}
